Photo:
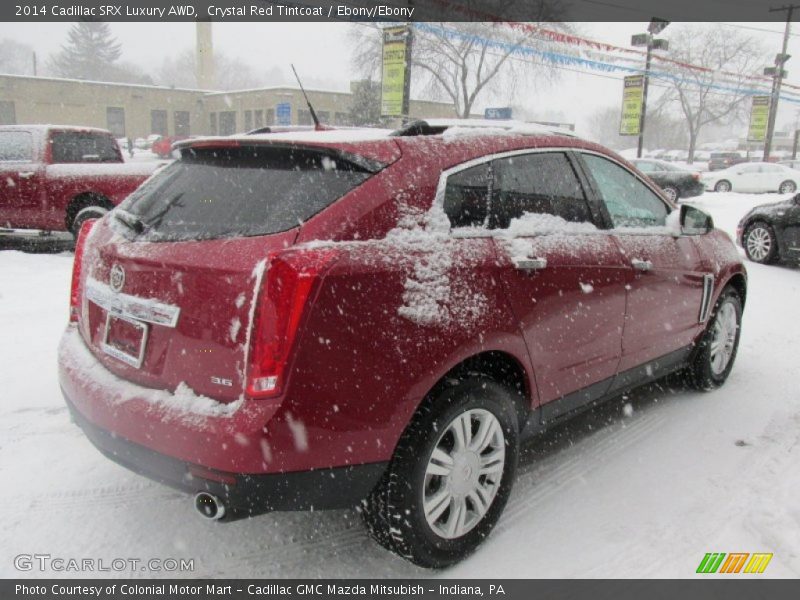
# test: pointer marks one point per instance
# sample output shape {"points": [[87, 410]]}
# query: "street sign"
{"points": [[773, 71], [498, 113], [283, 114], [640, 39], [632, 96], [660, 44], [394, 83], [657, 25], [759, 117]]}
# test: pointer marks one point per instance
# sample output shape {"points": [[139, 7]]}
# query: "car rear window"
{"points": [[80, 147], [241, 191], [16, 146]]}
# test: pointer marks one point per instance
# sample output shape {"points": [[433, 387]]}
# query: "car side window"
{"points": [[16, 146], [466, 196], [542, 182], [77, 147], [629, 202], [645, 167]]}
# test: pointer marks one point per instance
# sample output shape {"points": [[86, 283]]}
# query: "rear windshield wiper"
{"points": [[130, 220]]}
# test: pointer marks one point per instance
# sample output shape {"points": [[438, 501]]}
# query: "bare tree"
{"points": [[716, 92], [458, 61]]}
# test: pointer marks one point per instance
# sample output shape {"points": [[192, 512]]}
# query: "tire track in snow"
{"points": [[547, 478]]}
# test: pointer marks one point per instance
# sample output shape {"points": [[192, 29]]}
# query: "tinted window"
{"points": [[240, 192], [16, 145], [77, 147], [749, 169], [466, 196], [543, 183], [630, 203]]}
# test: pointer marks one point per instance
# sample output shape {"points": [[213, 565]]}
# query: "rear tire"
{"points": [[787, 187], [716, 351], [84, 214], [723, 186], [441, 497], [672, 193]]}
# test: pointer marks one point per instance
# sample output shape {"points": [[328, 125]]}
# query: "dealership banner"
{"points": [[630, 122], [759, 116], [395, 73], [535, 11]]}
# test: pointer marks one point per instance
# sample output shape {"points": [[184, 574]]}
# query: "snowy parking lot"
{"points": [[641, 487]]}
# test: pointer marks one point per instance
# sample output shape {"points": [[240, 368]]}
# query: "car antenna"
{"points": [[317, 124]]}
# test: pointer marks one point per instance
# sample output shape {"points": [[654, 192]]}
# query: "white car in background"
{"points": [[753, 177]]}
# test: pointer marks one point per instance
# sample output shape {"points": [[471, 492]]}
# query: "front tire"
{"points": [[723, 186], [716, 351], [450, 477], [787, 187], [760, 243]]}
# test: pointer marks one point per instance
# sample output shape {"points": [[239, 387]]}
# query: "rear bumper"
{"points": [[243, 494], [226, 453]]}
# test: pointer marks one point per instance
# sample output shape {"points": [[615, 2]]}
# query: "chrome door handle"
{"points": [[523, 263], [27, 174], [641, 265]]}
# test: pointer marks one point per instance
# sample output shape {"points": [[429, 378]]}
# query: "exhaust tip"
{"points": [[209, 506]]}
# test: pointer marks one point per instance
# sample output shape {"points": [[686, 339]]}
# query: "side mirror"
{"points": [[694, 221]]}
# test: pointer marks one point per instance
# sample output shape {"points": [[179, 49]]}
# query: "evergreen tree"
{"points": [[90, 53], [366, 106]]}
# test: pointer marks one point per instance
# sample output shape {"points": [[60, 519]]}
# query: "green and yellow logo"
{"points": [[735, 562]]}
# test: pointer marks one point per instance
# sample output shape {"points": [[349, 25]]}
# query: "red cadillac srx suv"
{"points": [[367, 318]]}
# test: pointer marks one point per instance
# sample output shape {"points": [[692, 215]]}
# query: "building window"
{"points": [[324, 116], [341, 118], [259, 119], [227, 122], [270, 117], [304, 117], [115, 121], [213, 123], [248, 120], [8, 114], [182, 122], [158, 122]]}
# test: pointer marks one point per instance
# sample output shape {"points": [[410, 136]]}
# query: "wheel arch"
{"points": [[737, 281], [500, 366], [81, 201]]}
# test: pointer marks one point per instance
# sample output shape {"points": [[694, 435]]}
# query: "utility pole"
{"points": [[647, 39], [778, 73]]}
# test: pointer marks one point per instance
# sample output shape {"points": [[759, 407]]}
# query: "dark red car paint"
{"points": [[38, 193], [357, 369]]}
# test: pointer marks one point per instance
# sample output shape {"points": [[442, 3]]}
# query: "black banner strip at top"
{"points": [[392, 10]]}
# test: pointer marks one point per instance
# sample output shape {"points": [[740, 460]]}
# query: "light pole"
{"points": [[646, 39], [778, 73]]}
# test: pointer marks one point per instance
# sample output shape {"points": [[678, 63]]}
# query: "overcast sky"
{"points": [[321, 52]]}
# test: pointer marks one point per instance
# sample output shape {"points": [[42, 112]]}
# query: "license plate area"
{"points": [[125, 339]]}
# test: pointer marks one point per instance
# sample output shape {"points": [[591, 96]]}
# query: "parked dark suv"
{"points": [[365, 318]]}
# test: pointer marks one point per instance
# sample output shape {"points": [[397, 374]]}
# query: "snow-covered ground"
{"points": [[641, 487]]}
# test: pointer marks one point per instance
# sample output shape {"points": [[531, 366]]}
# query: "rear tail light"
{"points": [[75, 292], [285, 292]]}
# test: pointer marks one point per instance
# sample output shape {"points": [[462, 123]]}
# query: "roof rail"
{"points": [[438, 126]]}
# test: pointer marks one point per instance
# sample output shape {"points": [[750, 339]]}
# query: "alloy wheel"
{"points": [[759, 243], [464, 473], [723, 339]]}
